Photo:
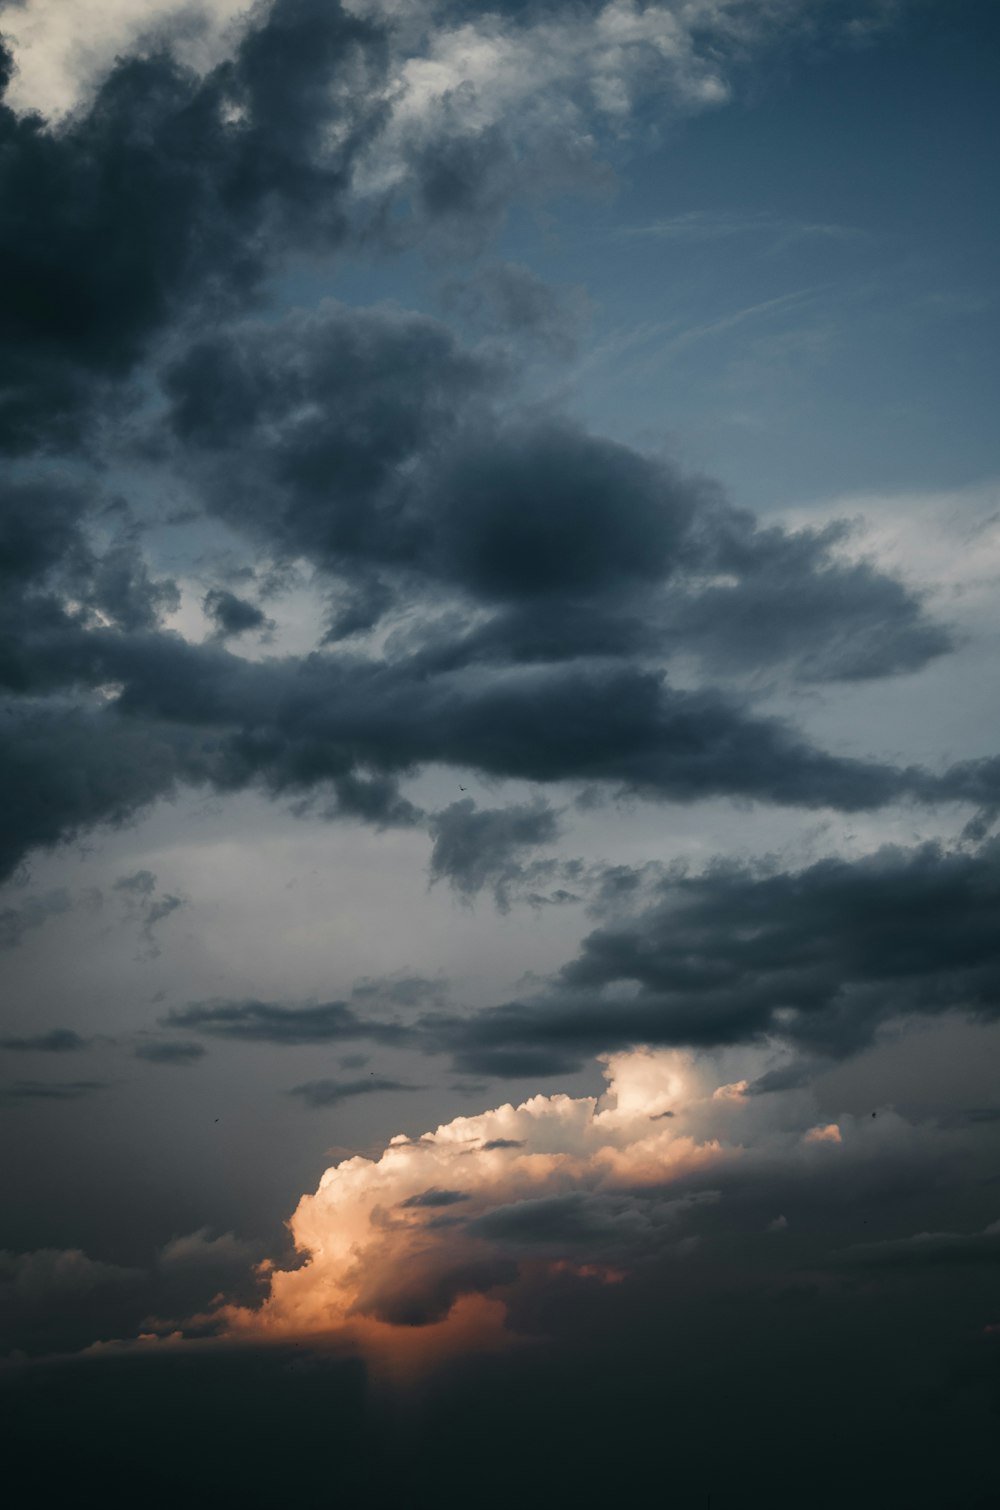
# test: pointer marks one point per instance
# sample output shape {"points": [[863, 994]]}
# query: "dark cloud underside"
{"points": [[819, 959]]}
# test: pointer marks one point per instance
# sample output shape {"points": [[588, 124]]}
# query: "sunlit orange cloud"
{"points": [[394, 1262]]}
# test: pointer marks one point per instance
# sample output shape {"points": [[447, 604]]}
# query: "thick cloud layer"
{"points": [[424, 1235], [166, 190], [195, 714], [220, 172], [372, 443], [819, 959], [509, 584]]}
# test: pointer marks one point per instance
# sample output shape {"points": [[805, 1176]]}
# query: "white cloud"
{"points": [[547, 81], [407, 1255], [62, 47]]}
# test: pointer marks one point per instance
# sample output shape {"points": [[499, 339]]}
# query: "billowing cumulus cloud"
{"points": [[429, 1231], [438, 1232], [453, 1242]]}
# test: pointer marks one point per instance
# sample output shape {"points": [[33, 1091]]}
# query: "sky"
{"points": [[499, 666]]}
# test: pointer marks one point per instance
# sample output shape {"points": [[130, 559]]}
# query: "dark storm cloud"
{"points": [[56, 1041], [314, 415], [374, 445], [39, 529], [788, 600], [233, 615], [394, 460], [373, 797], [267, 1022], [168, 190], [298, 724], [68, 768], [348, 729], [169, 194], [327, 412], [734, 597], [58, 582], [319, 1093], [121, 589], [170, 1053], [525, 512], [476, 847], [377, 437], [820, 958], [900, 930]]}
